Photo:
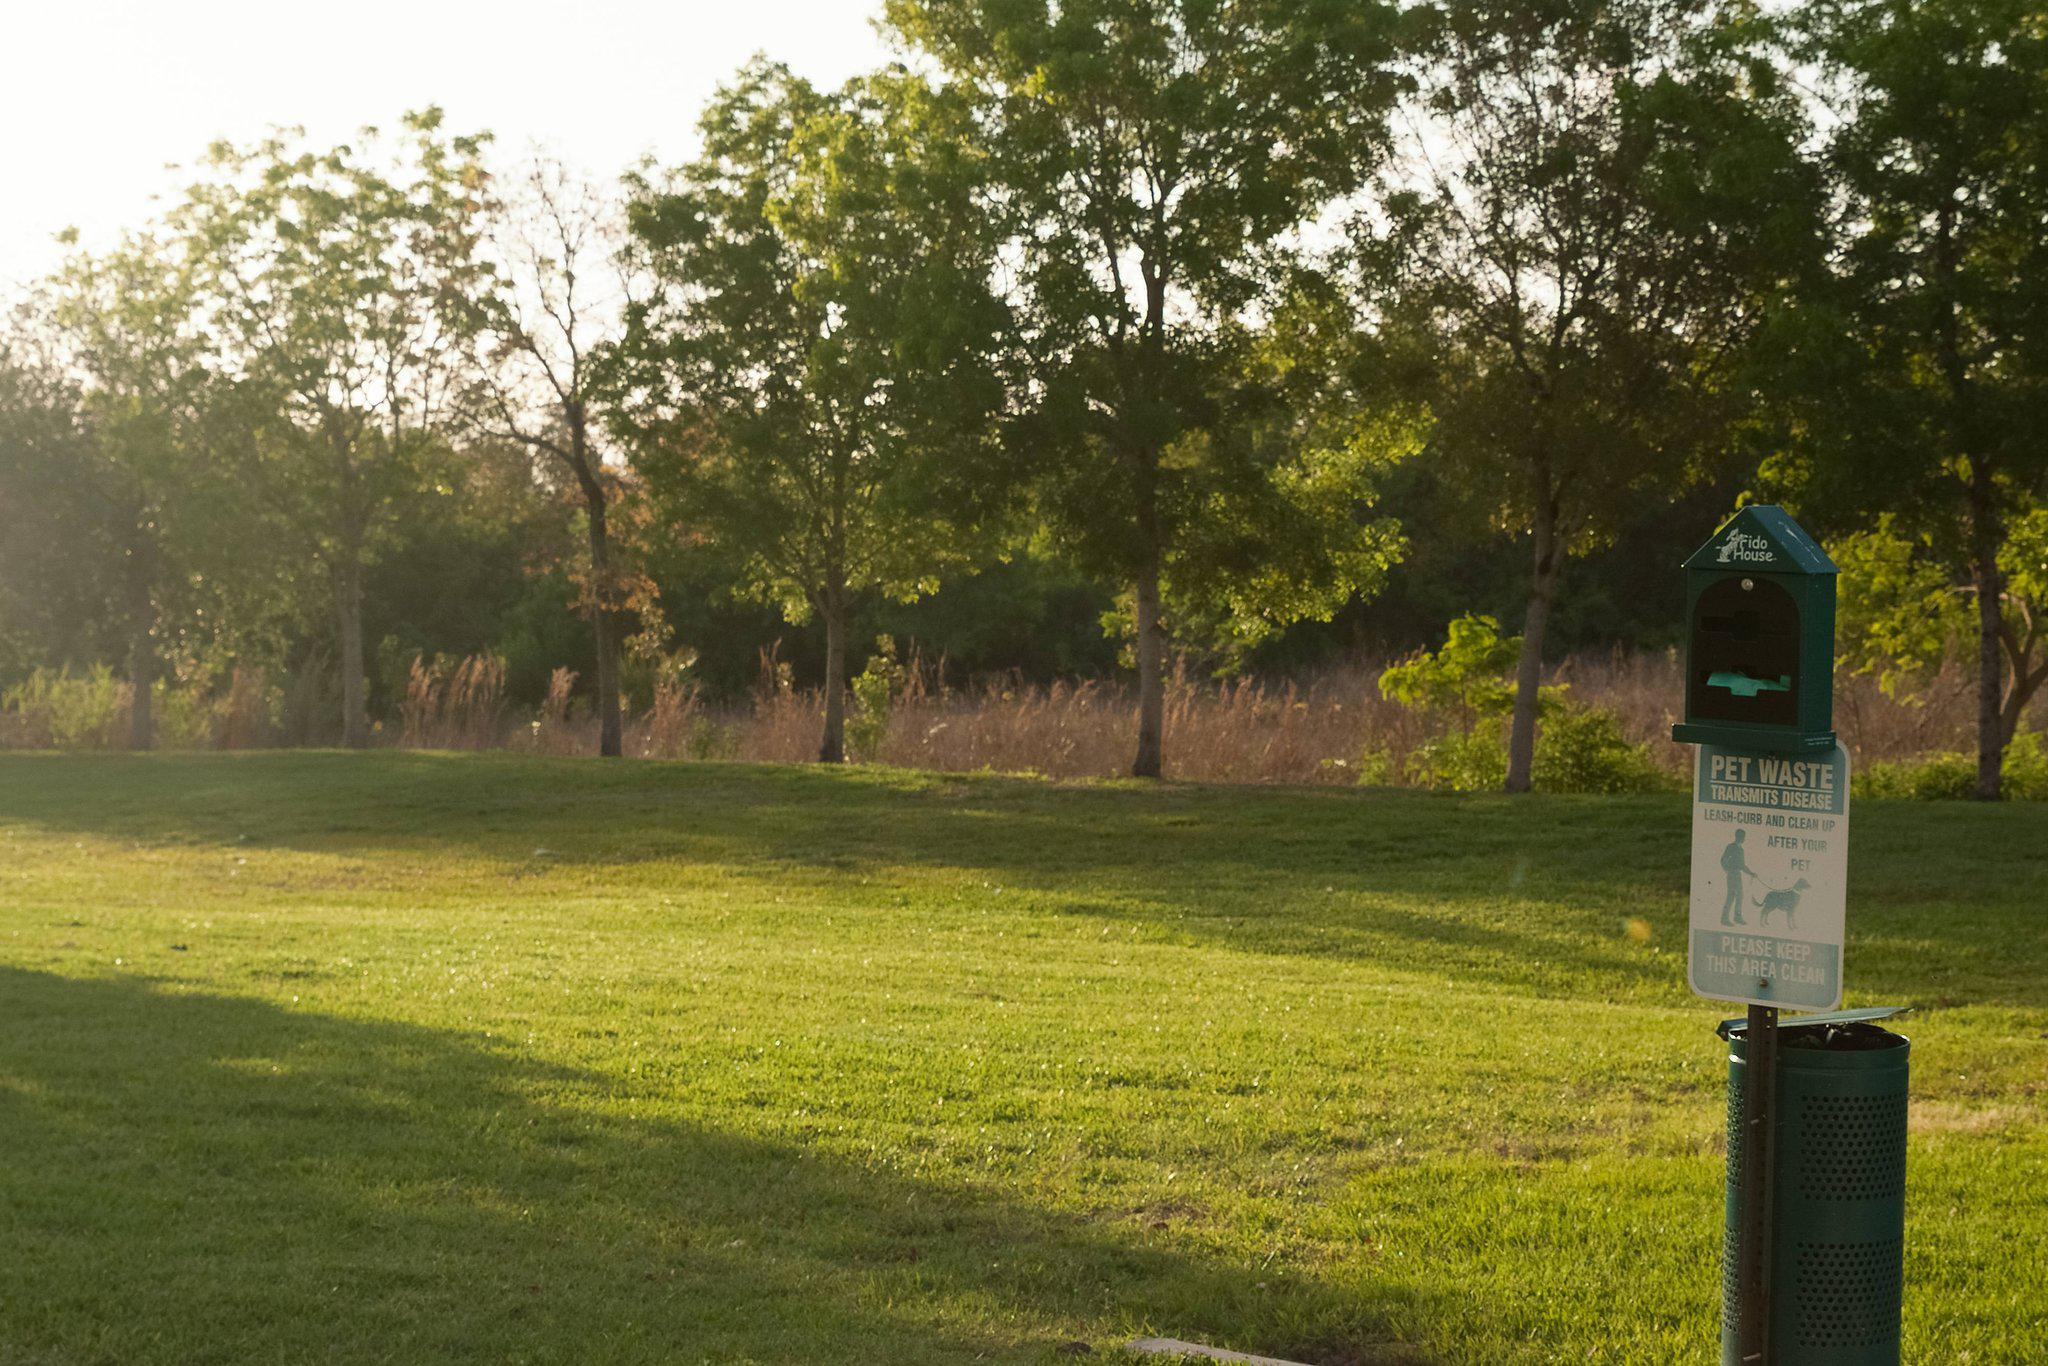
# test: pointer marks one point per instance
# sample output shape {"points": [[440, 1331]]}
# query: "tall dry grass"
{"points": [[1239, 731], [454, 704], [1332, 728], [554, 728]]}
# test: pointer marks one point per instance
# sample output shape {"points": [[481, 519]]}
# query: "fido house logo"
{"points": [[1745, 547]]}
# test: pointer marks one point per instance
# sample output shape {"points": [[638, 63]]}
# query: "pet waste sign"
{"points": [[1770, 872]]}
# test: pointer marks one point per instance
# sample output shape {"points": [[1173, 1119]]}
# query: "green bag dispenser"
{"points": [[1760, 639]]}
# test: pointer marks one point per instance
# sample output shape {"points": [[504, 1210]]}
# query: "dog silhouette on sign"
{"points": [[1784, 899]]}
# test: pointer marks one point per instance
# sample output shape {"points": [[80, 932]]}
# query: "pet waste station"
{"points": [[1814, 1237]]}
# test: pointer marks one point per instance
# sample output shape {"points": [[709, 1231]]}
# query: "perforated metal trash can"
{"points": [[1838, 1191]]}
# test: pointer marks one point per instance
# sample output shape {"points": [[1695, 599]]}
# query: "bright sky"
{"points": [[97, 97]]}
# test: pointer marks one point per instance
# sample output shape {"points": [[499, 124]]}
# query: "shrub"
{"points": [[2026, 768], [1374, 767], [184, 718], [57, 709], [874, 693], [1582, 749], [1951, 775], [1460, 761], [1463, 679], [1937, 777], [1578, 749]]}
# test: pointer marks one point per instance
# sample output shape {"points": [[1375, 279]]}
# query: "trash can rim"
{"points": [[1729, 1029]]}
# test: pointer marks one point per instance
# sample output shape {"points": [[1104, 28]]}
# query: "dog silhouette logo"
{"points": [[1784, 899]]}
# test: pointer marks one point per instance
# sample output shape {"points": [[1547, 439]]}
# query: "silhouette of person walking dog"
{"points": [[1735, 863]]}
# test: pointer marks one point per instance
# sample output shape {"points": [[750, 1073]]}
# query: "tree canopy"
{"points": [[1910, 382], [1091, 335], [815, 376], [1597, 205], [1152, 163]]}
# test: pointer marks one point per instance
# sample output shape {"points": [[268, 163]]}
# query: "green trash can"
{"points": [[1838, 1191]]}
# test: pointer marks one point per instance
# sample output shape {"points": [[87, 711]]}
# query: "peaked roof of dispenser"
{"points": [[1764, 538]]}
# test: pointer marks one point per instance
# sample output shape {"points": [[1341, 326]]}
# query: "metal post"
{"points": [[1760, 1058]]}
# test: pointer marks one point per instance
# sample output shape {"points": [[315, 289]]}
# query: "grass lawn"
{"points": [[409, 1058]]}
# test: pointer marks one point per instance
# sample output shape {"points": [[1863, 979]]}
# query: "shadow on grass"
{"points": [[499, 806], [1526, 894], [194, 1177]]}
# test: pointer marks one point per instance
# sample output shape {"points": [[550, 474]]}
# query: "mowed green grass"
{"points": [[412, 1058]]}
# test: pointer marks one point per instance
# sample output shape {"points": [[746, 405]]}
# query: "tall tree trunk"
{"points": [[1985, 536], [1149, 762], [141, 665], [348, 621], [604, 629], [1543, 578], [832, 750]]}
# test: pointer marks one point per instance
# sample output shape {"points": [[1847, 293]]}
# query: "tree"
{"points": [[112, 471], [1905, 611], [1463, 679], [1914, 377], [58, 577], [553, 300], [1152, 159], [325, 272], [813, 380], [1597, 200]]}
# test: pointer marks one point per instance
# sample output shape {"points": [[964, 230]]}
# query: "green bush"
{"points": [[51, 709], [1373, 768], [1952, 775], [185, 718], [1460, 761], [1582, 749], [1578, 749], [1464, 686], [708, 740], [62, 710], [2026, 768], [874, 693], [1937, 777], [1464, 679]]}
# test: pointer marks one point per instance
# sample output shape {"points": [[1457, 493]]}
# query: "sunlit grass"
{"points": [[412, 1057]]}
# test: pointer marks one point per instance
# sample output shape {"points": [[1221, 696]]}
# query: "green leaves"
{"points": [[1596, 204], [1910, 383], [1899, 614], [1604, 199], [1937, 150], [1147, 161], [1905, 611], [1466, 677], [814, 380], [107, 467], [323, 273]]}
